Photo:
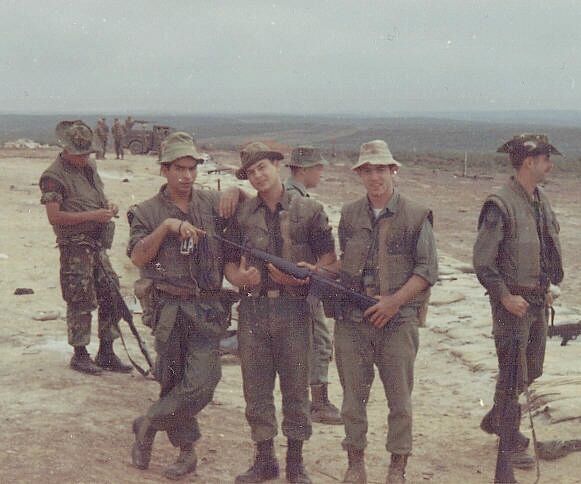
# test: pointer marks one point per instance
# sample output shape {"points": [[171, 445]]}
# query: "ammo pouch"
{"points": [[145, 291], [106, 235]]}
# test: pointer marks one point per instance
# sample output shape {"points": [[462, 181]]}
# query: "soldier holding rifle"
{"points": [[388, 251], [274, 330]]}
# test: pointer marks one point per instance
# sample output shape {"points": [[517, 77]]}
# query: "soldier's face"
{"points": [[313, 176], [263, 175], [378, 179], [181, 174], [541, 166]]}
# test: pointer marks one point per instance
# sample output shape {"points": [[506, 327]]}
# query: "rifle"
{"points": [[566, 331], [321, 286], [509, 422], [123, 311]]}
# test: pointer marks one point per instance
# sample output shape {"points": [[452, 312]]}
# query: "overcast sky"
{"points": [[295, 56]]}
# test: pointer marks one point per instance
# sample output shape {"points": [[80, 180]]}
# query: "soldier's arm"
{"points": [[486, 249], [53, 194]]}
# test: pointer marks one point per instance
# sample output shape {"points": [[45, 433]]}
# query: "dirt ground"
{"points": [[61, 426]]}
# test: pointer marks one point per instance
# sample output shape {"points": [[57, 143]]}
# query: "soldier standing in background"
{"points": [[118, 132], [274, 322], [306, 165], [388, 251], [102, 132], [517, 255], [80, 214], [129, 124]]}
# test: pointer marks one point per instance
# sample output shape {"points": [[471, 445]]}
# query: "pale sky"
{"points": [[296, 56]]}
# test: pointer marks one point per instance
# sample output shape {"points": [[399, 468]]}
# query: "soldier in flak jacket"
{"points": [[81, 217], [306, 165], [274, 327], [388, 251], [181, 269], [517, 255]]}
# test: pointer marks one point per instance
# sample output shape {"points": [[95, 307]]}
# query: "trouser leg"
{"points": [[322, 348], [292, 350], [258, 368], [354, 357], [397, 347], [189, 371]]}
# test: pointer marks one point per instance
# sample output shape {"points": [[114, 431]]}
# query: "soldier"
{"points": [[181, 266], [118, 132], [102, 133], [516, 255], [274, 329], [129, 123], [306, 165], [80, 215], [387, 251]]}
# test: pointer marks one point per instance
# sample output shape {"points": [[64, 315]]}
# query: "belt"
{"points": [[187, 292], [535, 291]]}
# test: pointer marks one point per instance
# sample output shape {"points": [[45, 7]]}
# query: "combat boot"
{"points": [[81, 361], [108, 360], [295, 470], [356, 473], [265, 465], [144, 437], [185, 463], [491, 425], [396, 471], [322, 410]]}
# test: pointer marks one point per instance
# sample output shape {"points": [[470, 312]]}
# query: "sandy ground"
{"points": [[62, 426]]}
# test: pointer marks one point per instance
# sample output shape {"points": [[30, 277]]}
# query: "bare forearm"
{"points": [[414, 285], [70, 218], [147, 248]]}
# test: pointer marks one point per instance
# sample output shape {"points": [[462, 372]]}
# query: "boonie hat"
{"points": [[375, 153], [529, 144], [306, 156], [252, 153], [179, 145], [75, 137]]}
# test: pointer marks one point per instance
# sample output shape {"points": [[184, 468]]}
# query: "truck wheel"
{"points": [[136, 147]]}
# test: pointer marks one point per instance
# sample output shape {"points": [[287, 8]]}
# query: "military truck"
{"points": [[145, 137]]}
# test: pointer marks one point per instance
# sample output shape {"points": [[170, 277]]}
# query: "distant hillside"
{"points": [[421, 136]]}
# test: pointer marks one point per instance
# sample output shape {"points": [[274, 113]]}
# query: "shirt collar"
{"points": [[257, 202], [389, 209]]}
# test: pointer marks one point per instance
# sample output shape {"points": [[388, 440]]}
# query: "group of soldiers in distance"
{"points": [[118, 131], [185, 241]]}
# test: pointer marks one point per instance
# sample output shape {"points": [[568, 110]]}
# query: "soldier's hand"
{"points": [[228, 202], [103, 215], [249, 275], [381, 313], [285, 279], [114, 208], [515, 305]]}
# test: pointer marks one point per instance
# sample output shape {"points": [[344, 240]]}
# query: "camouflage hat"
{"points": [[252, 153], [306, 156], [75, 137], [179, 145], [529, 144], [375, 153]]}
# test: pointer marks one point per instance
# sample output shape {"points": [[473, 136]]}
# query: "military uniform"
{"points": [[273, 331], [187, 317], [377, 265], [102, 132], [83, 256], [118, 132]]}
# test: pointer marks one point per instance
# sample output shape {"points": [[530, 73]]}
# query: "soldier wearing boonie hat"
{"points": [[516, 256], [306, 165], [80, 215], [254, 152], [181, 268], [388, 252]]}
